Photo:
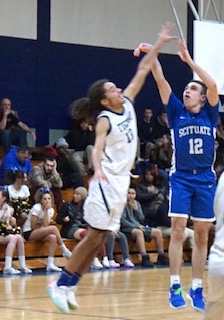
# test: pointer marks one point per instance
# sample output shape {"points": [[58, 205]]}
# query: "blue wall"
{"points": [[42, 78]]}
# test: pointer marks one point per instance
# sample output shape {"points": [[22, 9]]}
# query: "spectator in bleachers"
{"points": [[11, 237], [45, 175], [219, 148], [121, 239], [161, 152], [16, 158], [219, 160], [38, 227], [151, 194], [164, 155], [133, 226], [81, 138], [155, 204], [145, 130], [161, 124], [220, 133], [19, 195], [70, 216], [12, 129], [67, 166]]}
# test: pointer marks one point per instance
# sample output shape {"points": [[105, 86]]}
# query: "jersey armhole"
{"points": [[104, 116]]}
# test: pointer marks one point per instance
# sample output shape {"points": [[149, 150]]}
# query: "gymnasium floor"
{"points": [[139, 294]]}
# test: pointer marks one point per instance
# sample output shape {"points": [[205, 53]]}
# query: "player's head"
{"points": [[87, 108], [194, 95], [203, 86], [112, 98], [102, 94]]}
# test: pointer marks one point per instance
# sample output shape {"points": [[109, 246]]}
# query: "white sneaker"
{"points": [[26, 270], [70, 295], [96, 264], [105, 262], [114, 264], [11, 271], [53, 267], [66, 253], [58, 296]]}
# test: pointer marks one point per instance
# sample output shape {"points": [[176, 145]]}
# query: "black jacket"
{"points": [[75, 213]]}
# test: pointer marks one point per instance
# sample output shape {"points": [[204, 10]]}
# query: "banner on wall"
{"points": [[209, 50]]}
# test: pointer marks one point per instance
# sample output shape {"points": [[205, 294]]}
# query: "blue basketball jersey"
{"points": [[193, 135]]}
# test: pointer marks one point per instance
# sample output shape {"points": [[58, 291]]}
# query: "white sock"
{"points": [[8, 262], [63, 248], [50, 261], [174, 279], [22, 261], [196, 283]]}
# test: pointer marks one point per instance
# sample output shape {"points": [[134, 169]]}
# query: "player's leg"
{"points": [[62, 290]]}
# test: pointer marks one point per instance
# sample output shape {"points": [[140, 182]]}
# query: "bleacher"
{"points": [[36, 252]]}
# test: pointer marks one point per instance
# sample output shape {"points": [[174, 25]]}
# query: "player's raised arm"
{"points": [[157, 71], [146, 63], [212, 91]]}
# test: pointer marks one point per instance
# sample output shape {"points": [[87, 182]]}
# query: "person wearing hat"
{"points": [[67, 166], [70, 216]]}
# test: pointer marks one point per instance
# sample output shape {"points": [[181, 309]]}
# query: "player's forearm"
{"points": [[96, 158], [202, 74], [150, 57], [157, 71], [162, 83]]}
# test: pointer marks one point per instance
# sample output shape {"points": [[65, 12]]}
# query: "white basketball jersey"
{"points": [[121, 141], [216, 256]]}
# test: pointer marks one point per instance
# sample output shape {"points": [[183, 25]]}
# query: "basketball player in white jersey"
{"points": [[215, 306], [192, 178], [113, 157]]}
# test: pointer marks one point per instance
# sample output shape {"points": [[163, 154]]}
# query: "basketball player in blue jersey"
{"points": [[113, 157], [192, 178]]}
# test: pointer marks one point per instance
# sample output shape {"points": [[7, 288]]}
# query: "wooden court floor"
{"points": [[138, 294]]}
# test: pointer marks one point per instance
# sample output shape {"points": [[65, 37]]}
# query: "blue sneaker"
{"points": [[175, 297], [197, 299]]}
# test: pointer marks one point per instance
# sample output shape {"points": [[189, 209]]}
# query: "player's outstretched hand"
{"points": [[164, 36], [184, 53], [143, 47]]}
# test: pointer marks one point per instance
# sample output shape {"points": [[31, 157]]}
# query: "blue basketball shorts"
{"points": [[192, 195]]}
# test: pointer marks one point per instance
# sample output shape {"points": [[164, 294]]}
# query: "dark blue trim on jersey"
{"points": [[104, 198]]}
